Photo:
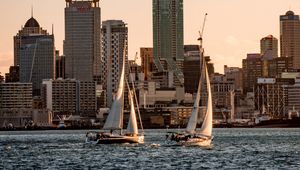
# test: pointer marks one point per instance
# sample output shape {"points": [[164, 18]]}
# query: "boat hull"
{"points": [[105, 138], [121, 139], [195, 142]]}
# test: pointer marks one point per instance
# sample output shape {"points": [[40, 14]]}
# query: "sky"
{"points": [[233, 27]]}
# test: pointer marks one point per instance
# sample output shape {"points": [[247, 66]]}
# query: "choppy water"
{"points": [[233, 149]]}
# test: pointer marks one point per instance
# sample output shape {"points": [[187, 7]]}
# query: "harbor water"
{"points": [[232, 149]]}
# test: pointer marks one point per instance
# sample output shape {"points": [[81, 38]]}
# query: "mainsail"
{"points": [[206, 128], [132, 127], [115, 117], [192, 124]]}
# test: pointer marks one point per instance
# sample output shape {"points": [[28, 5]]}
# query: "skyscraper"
{"points": [[290, 37], [168, 37], [269, 46], [82, 40], [114, 35], [34, 53]]}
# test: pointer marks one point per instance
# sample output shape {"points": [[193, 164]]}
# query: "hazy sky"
{"points": [[233, 28]]}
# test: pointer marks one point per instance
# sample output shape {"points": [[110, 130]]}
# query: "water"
{"points": [[232, 149]]}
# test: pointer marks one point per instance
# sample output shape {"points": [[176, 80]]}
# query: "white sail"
{"points": [[132, 127], [115, 117], [192, 124], [206, 128]]}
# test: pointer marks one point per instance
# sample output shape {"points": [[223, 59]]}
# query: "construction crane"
{"points": [[202, 31]]}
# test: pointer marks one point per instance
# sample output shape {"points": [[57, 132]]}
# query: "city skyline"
{"points": [[228, 46]]}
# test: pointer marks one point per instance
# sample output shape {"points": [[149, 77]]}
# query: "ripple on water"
{"points": [[232, 149]]}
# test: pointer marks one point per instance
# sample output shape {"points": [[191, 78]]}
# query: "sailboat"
{"points": [[114, 121], [192, 136]]}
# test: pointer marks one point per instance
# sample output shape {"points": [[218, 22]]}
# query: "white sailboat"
{"points": [[192, 136], [114, 121]]}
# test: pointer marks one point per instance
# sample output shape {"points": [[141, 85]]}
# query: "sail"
{"points": [[115, 117], [192, 124], [206, 128], [132, 127]]}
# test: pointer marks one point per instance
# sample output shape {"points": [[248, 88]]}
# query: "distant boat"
{"points": [[114, 121], [192, 136], [61, 124]]}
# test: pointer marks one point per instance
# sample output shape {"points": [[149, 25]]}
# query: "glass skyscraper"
{"points": [[34, 53], [168, 37]]}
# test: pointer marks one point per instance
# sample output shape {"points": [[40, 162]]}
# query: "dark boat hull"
{"points": [[105, 138]]}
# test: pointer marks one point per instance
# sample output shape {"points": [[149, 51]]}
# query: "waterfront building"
{"points": [[15, 95], [290, 37], [34, 53], [13, 75], [147, 62], [168, 38], [114, 51], [69, 96], [82, 45], [25, 117]]}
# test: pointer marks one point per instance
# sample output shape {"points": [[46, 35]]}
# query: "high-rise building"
{"points": [[168, 37], [82, 40], [269, 46], [290, 37], [32, 27], [147, 62], [34, 53], [115, 46]]}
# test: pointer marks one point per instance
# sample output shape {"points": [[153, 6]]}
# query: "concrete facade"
{"points": [[115, 50]]}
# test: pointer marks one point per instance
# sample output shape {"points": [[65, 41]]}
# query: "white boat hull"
{"points": [[196, 142]]}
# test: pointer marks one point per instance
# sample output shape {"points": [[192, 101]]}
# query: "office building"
{"points": [[34, 53], [115, 50], [82, 40], [32, 27], [235, 75], [15, 95], [252, 69], [69, 96], [269, 46], [290, 37], [168, 38]]}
